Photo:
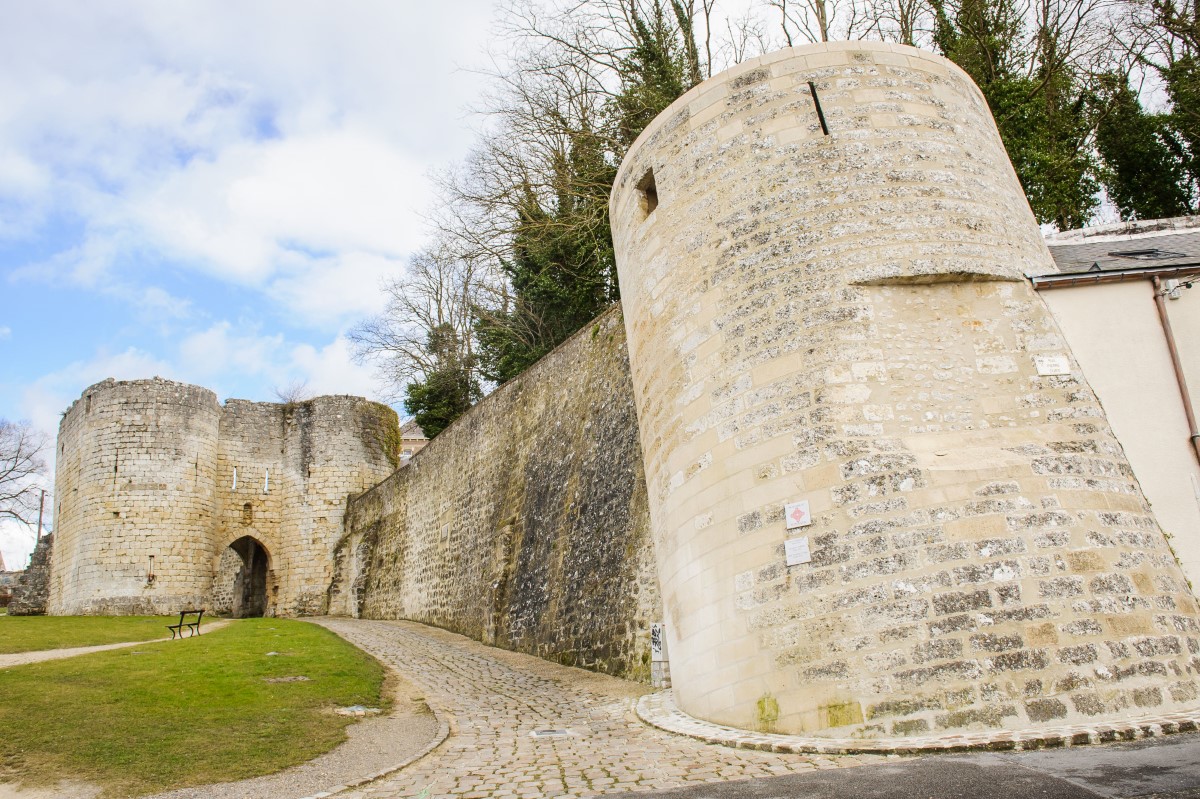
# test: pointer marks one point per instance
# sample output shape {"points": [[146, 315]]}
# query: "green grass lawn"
{"points": [[182, 713], [35, 633]]}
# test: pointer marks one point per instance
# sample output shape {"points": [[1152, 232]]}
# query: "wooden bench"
{"points": [[194, 626]]}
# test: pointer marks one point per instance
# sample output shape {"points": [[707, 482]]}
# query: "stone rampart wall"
{"points": [[524, 524]]}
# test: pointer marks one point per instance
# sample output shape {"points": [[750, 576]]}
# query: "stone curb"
{"points": [[659, 710], [443, 732]]}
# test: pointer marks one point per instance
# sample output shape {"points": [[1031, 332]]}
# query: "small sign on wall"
{"points": [[797, 514], [1052, 365], [658, 642], [796, 551]]}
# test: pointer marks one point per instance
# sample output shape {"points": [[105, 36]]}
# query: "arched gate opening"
{"points": [[249, 594]]}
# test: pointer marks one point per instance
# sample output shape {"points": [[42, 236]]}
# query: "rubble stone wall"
{"points": [[523, 524], [32, 589]]}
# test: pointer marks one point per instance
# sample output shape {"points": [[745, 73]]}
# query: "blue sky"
{"points": [[213, 192]]}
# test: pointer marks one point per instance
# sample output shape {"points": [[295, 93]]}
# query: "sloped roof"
{"points": [[411, 429], [1127, 246]]}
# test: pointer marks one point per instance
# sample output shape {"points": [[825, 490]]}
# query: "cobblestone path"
{"points": [[494, 700]]}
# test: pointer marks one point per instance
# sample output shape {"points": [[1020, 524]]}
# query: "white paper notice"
{"points": [[1050, 365], [796, 550]]}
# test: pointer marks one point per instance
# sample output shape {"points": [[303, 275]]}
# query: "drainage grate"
{"points": [[549, 734]]}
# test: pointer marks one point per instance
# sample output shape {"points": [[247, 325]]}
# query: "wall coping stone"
{"points": [[659, 710]]}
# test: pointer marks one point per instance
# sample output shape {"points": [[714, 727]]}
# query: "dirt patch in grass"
{"points": [[37, 633], [183, 713]]}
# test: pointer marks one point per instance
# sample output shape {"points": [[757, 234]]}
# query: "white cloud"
{"points": [[332, 370], [24, 189], [161, 303], [222, 356], [330, 291], [254, 146], [222, 352], [259, 208], [16, 543], [5, 332]]}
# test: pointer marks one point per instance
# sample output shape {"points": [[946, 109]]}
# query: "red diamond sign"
{"points": [[797, 514]]}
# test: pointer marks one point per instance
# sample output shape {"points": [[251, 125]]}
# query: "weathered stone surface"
{"points": [[523, 524], [145, 470], [32, 591], [836, 316], [842, 317]]}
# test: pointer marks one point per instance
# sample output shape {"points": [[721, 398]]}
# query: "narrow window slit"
{"points": [[648, 193], [812, 88]]}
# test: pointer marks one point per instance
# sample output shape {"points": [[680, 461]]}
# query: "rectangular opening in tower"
{"points": [[647, 193]]}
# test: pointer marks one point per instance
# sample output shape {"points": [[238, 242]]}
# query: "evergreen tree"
{"points": [[560, 264], [1182, 77], [1035, 99], [659, 68], [448, 390], [562, 269], [1144, 164]]}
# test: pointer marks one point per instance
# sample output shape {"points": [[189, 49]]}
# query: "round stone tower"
{"points": [[134, 502], [885, 501]]}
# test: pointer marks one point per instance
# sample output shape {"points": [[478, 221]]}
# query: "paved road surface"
{"points": [[495, 700], [1160, 768]]}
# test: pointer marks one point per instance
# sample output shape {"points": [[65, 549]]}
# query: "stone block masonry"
{"points": [[135, 478], [841, 317], [148, 504], [523, 524]]}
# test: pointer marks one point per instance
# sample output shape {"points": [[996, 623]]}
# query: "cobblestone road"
{"points": [[494, 700]]}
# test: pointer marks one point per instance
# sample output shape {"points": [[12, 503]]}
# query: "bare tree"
{"points": [[1158, 34], [803, 21], [745, 37], [436, 292], [904, 21], [293, 392], [21, 471]]}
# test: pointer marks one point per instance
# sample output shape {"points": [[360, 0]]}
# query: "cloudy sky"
{"points": [[212, 192]]}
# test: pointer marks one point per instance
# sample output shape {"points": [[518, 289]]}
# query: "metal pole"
{"points": [[1160, 303], [41, 510]]}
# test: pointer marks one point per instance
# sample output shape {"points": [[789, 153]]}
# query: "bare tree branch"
{"points": [[21, 470]]}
